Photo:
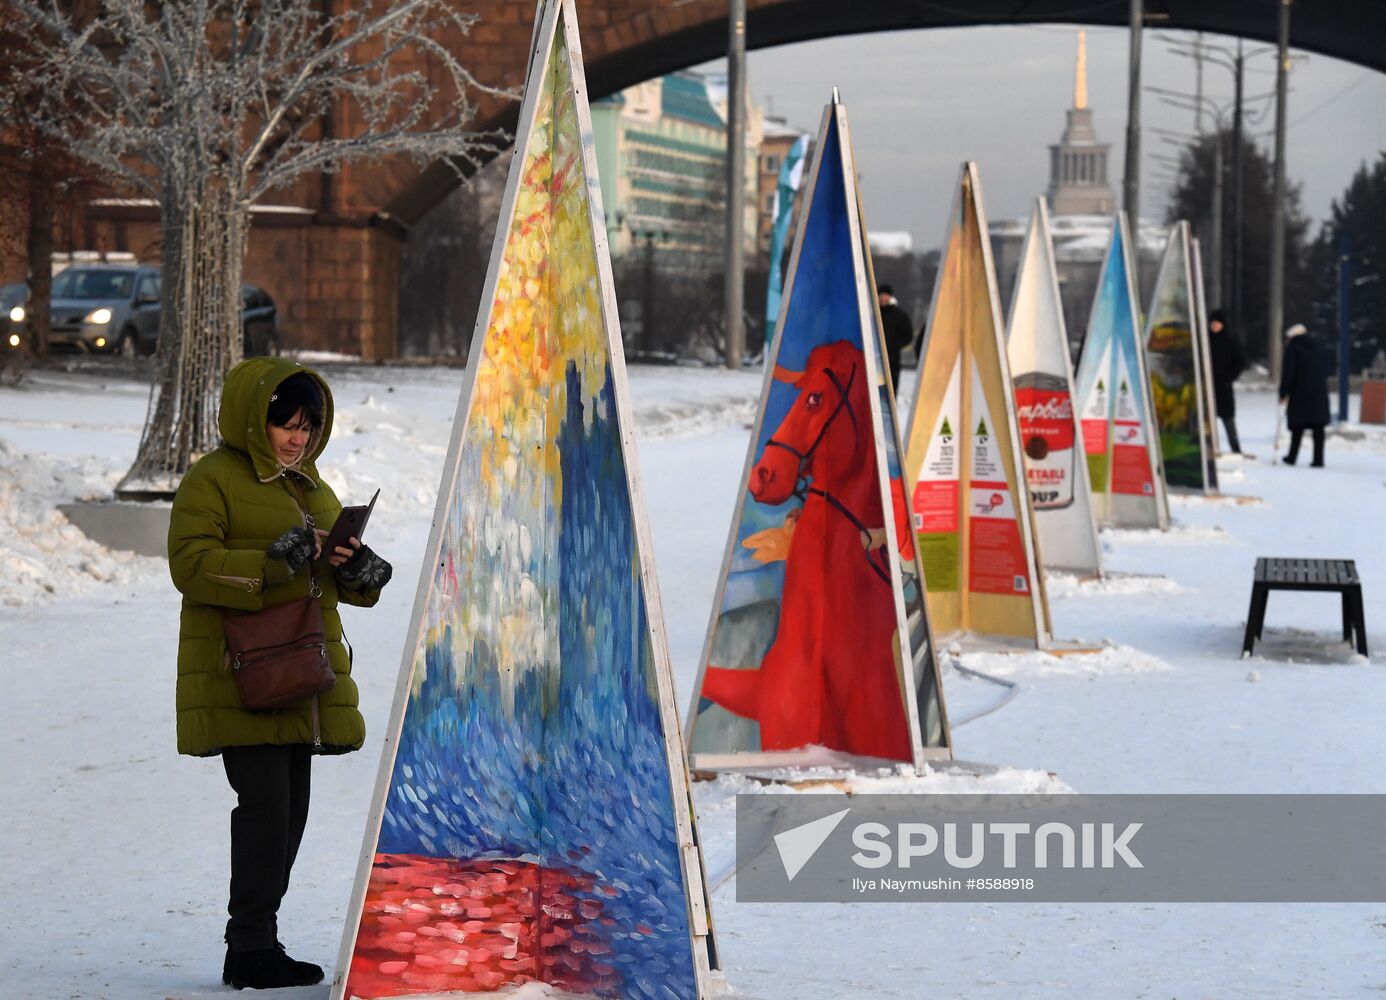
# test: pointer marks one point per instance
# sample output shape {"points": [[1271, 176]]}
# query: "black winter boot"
{"points": [[307, 973], [267, 968]]}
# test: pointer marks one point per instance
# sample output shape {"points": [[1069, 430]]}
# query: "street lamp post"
{"points": [[647, 309], [646, 343]]}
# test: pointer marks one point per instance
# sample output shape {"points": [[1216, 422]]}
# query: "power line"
{"points": [[1342, 93]]}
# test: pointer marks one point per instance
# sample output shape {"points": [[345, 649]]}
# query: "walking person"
{"points": [[898, 330], [1304, 391], [1229, 361], [246, 535]]}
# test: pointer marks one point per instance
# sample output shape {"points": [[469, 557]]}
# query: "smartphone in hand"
{"points": [[351, 523]]}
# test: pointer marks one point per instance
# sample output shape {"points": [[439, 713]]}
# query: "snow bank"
{"points": [[1196, 500], [1364, 439], [1113, 584], [1108, 662], [44, 557], [1178, 534]]}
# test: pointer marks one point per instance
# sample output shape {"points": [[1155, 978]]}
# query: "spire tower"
{"points": [[1080, 76], [1078, 162]]}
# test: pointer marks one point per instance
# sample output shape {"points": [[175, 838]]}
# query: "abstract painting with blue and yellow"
{"points": [[534, 821]]}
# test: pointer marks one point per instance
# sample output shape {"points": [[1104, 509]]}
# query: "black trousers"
{"points": [[1297, 435], [272, 785], [1229, 424], [893, 361]]}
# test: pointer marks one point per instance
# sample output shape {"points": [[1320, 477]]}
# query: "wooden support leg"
{"points": [[1359, 619], [1349, 614], [1255, 616]]}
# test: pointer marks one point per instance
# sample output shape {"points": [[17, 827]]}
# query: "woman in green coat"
{"points": [[246, 529]]}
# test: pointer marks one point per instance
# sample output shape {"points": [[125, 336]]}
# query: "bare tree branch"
{"points": [[208, 105]]}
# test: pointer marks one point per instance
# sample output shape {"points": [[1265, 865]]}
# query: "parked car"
{"points": [[115, 308], [106, 307]]}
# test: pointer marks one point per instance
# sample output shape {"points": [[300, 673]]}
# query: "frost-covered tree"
{"points": [[1359, 213], [207, 106]]}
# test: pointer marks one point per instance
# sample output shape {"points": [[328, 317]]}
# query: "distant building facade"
{"points": [[777, 139], [661, 155]]}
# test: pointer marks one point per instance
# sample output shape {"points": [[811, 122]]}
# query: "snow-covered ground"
{"points": [[116, 849]]}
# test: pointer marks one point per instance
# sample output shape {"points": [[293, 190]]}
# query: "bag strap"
{"points": [[313, 589]]}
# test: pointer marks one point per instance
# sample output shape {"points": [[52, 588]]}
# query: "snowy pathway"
{"points": [[116, 849]]}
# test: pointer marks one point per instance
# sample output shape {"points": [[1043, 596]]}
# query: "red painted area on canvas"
{"points": [[436, 925]]}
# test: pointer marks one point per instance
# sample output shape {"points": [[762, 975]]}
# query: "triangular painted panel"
{"points": [[819, 636], [972, 513], [1209, 427], [1174, 351], [1055, 465], [532, 821], [1113, 400]]}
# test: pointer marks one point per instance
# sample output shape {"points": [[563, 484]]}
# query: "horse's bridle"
{"points": [[843, 403], [801, 487]]}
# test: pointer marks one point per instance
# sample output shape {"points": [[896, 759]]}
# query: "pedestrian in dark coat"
{"points": [[1229, 361], [898, 329], [246, 527], [1304, 391]]}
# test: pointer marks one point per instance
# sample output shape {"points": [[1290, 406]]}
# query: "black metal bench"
{"points": [[1307, 574]]}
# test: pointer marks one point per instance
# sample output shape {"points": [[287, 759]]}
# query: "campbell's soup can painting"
{"points": [[1044, 410]]}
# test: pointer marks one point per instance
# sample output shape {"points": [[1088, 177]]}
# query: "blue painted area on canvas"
{"points": [[574, 773]]}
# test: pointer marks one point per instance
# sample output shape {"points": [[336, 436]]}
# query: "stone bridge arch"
{"points": [[330, 253], [627, 41]]}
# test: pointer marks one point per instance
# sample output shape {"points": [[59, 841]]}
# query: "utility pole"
{"points": [[1131, 183], [1276, 312], [1215, 272], [1198, 82], [736, 181], [1235, 278], [1344, 321]]}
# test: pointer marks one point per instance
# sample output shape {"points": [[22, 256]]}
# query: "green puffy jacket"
{"points": [[230, 507]]}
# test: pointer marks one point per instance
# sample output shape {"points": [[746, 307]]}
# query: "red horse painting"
{"points": [[830, 676]]}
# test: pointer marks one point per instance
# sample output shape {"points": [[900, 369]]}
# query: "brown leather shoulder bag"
{"points": [[278, 655]]}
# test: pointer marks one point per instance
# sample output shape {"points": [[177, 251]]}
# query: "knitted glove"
{"points": [[365, 571], [295, 547]]}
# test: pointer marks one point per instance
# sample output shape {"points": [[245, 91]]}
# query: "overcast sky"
{"points": [[920, 102]]}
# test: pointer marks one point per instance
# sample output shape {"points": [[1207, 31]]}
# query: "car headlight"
{"points": [[17, 314], [99, 317]]}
